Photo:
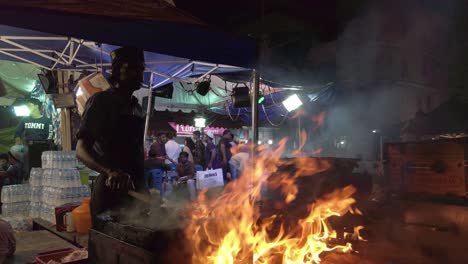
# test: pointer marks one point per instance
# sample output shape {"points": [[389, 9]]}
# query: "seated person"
{"points": [[14, 173], [186, 172]]}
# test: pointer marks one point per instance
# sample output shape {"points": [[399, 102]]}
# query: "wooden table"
{"points": [[74, 238], [29, 244]]}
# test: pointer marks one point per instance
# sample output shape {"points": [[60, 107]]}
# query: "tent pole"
{"points": [[255, 93], [148, 110]]}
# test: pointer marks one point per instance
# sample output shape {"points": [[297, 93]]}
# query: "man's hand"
{"points": [[183, 179], [118, 181]]}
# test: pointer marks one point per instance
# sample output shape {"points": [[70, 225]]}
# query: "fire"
{"points": [[232, 228]]}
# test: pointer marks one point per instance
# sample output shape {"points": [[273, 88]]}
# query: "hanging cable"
{"points": [[269, 121], [229, 112]]}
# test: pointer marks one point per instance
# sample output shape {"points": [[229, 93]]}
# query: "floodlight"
{"points": [[22, 110], [200, 122], [203, 87], [292, 103], [270, 142]]}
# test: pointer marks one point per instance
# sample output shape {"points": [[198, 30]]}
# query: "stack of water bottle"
{"points": [[59, 160], [57, 183], [15, 200]]}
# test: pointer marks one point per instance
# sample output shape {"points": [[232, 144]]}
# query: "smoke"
{"points": [[390, 62]]}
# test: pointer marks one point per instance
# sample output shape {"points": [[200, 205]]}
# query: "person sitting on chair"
{"points": [[186, 171]]}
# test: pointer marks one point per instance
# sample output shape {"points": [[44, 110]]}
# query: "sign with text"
{"points": [[186, 130]]}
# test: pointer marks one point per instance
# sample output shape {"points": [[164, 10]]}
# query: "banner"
{"points": [[186, 130]]}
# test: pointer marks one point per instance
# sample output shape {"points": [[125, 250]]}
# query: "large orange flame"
{"points": [[231, 229]]}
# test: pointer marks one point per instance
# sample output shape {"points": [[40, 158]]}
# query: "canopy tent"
{"points": [[16, 80], [51, 52], [152, 25], [186, 99]]}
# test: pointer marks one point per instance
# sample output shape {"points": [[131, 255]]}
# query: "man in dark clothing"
{"points": [[199, 151], [35, 132], [210, 153], [185, 169], [35, 127], [186, 172], [224, 151], [110, 139], [159, 150]]}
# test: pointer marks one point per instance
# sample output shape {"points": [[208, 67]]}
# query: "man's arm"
{"points": [[223, 151]]}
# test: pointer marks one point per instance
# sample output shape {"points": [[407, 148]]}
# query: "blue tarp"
{"points": [[272, 111], [161, 64]]}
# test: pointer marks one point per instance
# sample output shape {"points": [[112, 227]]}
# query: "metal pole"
{"points": [[148, 110], [299, 128], [255, 94]]}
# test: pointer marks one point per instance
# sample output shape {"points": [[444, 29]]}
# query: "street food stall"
{"points": [[67, 52]]}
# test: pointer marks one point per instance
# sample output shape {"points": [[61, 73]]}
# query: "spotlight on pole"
{"points": [[292, 103]]}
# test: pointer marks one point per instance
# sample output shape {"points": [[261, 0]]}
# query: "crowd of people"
{"points": [[198, 151]]}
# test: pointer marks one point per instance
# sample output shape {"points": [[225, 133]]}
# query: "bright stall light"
{"points": [[270, 142], [200, 122], [22, 110], [375, 131], [342, 142], [292, 103], [259, 142]]}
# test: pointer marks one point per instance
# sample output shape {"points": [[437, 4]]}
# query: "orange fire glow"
{"points": [[232, 229]]}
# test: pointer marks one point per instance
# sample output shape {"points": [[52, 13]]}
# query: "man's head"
{"points": [[3, 160], [162, 137], [227, 134], [128, 65], [209, 137], [183, 157], [35, 106], [196, 135]]}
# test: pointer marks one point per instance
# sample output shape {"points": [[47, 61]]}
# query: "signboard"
{"points": [[187, 131]]}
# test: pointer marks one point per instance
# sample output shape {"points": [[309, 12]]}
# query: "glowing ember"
{"points": [[230, 228]]}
